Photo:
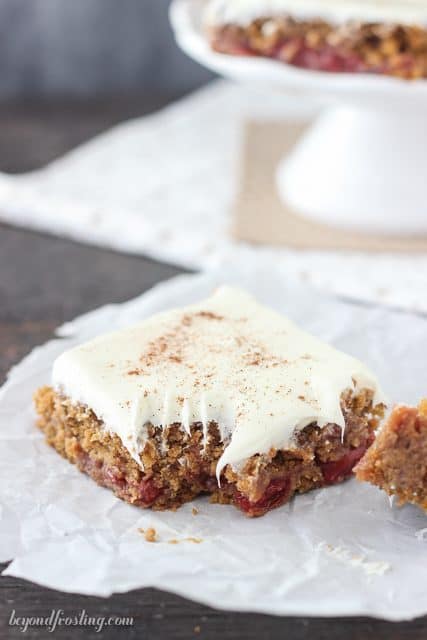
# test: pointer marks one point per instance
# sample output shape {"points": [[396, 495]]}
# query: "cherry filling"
{"points": [[322, 59], [280, 489], [340, 469], [239, 49], [148, 492], [144, 491], [295, 51], [112, 475], [277, 492]]}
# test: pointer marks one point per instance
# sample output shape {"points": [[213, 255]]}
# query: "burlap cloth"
{"points": [[260, 217]]}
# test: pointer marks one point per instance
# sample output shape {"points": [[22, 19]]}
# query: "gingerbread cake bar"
{"points": [[397, 462], [372, 36], [225, 397]]}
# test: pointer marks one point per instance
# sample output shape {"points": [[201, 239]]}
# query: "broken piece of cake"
{"points": [[225, 397], [387, 37], [397, 461]]}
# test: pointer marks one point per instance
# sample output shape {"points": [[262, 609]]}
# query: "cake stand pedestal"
{"points": [[360, 168], [362, 165]]}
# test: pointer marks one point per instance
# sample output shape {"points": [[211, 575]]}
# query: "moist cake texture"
{"points": [[368, 36], [397, 462], [224, 397]]}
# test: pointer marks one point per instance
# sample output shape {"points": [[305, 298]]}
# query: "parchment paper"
{"points": [[339, 551]]}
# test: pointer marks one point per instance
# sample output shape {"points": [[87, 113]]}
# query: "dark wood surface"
{"points": [[45, 281]]}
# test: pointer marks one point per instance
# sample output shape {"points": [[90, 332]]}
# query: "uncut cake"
{"points": [[225, 397], [371, 36]]}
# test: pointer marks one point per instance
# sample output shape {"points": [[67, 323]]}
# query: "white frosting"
{"points": [[409, 12], [227, 359]]}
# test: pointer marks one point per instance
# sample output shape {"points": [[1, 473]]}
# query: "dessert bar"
{"points": [[225, 397], [366, 36]]}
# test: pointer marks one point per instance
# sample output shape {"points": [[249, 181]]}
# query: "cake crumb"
{"points": [[422, 408], [194, 511], [173, 541], [149, 534], [370, 568], [194, 540]]}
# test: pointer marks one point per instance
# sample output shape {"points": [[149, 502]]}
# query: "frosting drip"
{"points": [[227, 359]]}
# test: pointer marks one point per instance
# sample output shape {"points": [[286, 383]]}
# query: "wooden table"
{"points": [[45, 281]]}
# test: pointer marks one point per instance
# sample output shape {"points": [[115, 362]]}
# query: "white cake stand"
{"points": [[362, 165]]}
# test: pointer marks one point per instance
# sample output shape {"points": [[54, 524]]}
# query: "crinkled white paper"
{"points": [[338, 551], [163, 185]]}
